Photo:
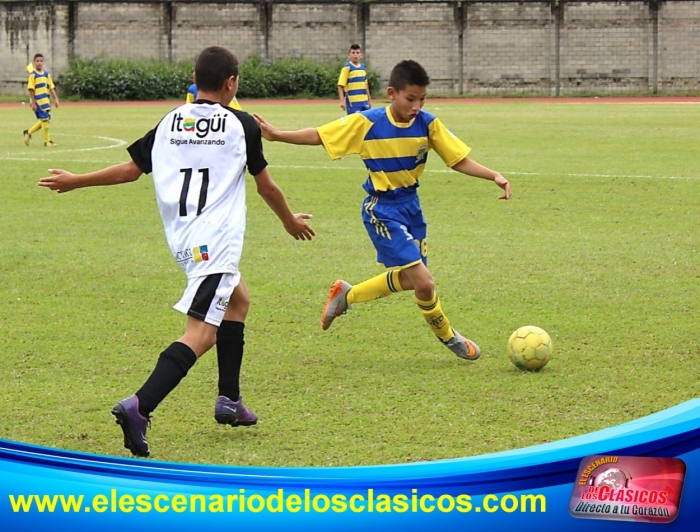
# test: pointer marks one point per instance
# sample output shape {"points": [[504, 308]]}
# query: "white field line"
{"points": [[119, 142], [506, 173], [116, 143]]}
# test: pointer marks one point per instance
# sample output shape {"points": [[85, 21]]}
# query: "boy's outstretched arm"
{"points": [[294, 224], [341, 96], [305, 137], [470, 167], [63, 181], [32, 100], [55, 97]]}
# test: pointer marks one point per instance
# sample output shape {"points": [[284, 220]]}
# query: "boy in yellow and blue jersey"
{"points": [[192, 96], [393, 142], [353, 87], [191, 93], [41, 88]]}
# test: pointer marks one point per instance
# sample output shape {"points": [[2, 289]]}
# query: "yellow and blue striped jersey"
{"points": [[41, 83], [235, 105], [192, 96], [353, 79], [394, 153]]}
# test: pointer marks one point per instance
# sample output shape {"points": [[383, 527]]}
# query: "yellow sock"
{"points": [[380, 286], [45, 130], [36, 127], [435, 317]]}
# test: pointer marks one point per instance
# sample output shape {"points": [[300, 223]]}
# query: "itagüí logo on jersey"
{"points": [[199, 126], [195, 254]]}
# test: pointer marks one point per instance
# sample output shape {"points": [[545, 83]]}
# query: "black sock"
{"points": [[173, 364], [229, 353]]}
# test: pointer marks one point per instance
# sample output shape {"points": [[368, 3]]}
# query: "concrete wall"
{"points": [[427, 35], [509, 48], [233, 25], [475, 46], [679, 47], [605, 47]]}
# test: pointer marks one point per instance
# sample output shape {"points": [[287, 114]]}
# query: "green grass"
{"points": [[599, 246]]}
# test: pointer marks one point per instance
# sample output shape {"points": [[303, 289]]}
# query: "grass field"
{"points": [[599, 246]]}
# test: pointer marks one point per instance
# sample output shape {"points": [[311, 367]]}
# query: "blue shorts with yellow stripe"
{"points": [[397, 229], [43, 114], [357, 107], [43, 108]]}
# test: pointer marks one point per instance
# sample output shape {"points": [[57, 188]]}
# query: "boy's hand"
{"points": [[299, 229], [504, 184], [269, 132], [342, 105], [61, 181]]}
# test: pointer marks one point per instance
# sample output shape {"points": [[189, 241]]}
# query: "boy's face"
{"points": [[39, 64], [355, 56], [406, 103]]}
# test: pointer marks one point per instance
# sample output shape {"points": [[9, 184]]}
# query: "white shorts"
{"points": [[206, 298]]}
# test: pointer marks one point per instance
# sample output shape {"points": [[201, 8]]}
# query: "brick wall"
{"points": [[324, 32], [129, 30], [605, 47], [509, 48], [679, 46], [426, 34], [235, 26], [479, 46]]}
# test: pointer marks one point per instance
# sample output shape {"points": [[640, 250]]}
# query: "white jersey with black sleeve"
{"points": [[198, 154]]}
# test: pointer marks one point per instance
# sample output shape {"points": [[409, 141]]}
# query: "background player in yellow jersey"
{"points": [[192, 96], [353, 87], [41, 88], [393, 142]]}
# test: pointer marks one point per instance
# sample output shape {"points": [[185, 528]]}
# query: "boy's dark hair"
{"points": [[214, 65], [408, 72], [355, 47], [38, 55]]}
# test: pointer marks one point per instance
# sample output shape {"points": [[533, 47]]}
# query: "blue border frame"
{"points": [[548, 469]]}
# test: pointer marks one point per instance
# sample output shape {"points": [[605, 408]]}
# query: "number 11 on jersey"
{"points": [[186, 188]]}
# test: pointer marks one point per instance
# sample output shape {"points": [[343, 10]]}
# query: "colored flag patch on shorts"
{"points": [[200, 253]]}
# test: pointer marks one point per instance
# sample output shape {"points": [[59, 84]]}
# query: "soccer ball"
{"points": [[530, 348]]}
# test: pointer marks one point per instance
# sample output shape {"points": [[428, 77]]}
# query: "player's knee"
{"points": [[239, 304], [244, 302], [425, 285], [200, 341], [207, 340]]}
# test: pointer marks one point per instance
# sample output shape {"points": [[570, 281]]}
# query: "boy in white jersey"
{"points": [[394, 142], [198, 154]]}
